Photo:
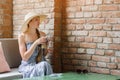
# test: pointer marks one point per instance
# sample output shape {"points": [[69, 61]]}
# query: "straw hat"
{"points": [[29, 17]]}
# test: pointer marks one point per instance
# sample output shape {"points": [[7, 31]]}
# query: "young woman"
{"points": [[29, 43]]}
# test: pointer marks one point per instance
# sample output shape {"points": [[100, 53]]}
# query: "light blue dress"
{"points": [[32, 69]]}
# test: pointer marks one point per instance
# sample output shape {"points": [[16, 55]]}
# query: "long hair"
{"points": [[38, 33]]}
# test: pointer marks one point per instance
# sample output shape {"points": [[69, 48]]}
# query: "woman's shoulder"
{"points": [[21, 37]]}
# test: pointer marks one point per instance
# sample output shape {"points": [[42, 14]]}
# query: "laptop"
{"points": [[11, 51]]}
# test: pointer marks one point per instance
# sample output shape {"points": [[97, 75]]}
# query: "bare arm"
{"points": [[25, 54]]}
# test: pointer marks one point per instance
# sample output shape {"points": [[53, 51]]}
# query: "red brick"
{"points": [[117, 59], [102, 46], [83, 62], [81, 50], [80, 39], [113, 59], [87, 14], [96, 21], [117, 1], [88, 27], [98, 1], [97, 39], [82, 56], [107, 27], [112, 20], [107, 14], [88, 39], [116, 27], [70, 27], [112, 65], [116, 14], [88, 45], [71, 3], [89, 8], [79, 27], [115, 72], [108, 1], [113, 34], [98, 27], [78, 14], [114, 46], [99, 52], [97, 33], [77, 21], [109, 7], [71, 9], [101, 64], [20, 2], [81, 2], [100, 70], [70, 15], [107, 40], [101, 58], [90, 51], [89, 2], [78, 33], [109, 53], [93, 63], [78, 8], [97, 14]]}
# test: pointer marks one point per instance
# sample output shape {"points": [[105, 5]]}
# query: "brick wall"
{"points": [[6, 27], [91, 35], [86, 32]]}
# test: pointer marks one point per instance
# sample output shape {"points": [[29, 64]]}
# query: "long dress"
{"points": [[32, 69]]}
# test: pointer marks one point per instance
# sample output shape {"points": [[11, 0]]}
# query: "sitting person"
{"points": [[30, 41]]}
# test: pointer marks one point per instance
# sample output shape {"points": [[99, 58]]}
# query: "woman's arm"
{"points": [[25, 54]]}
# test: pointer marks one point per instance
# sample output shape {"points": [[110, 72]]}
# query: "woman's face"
{"points": [[34, 23]]}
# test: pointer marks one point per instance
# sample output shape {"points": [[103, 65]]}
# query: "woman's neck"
{"points": [[32, 30], [31, 35]]}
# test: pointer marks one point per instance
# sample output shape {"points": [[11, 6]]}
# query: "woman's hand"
{"points": [[42, 40]]}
